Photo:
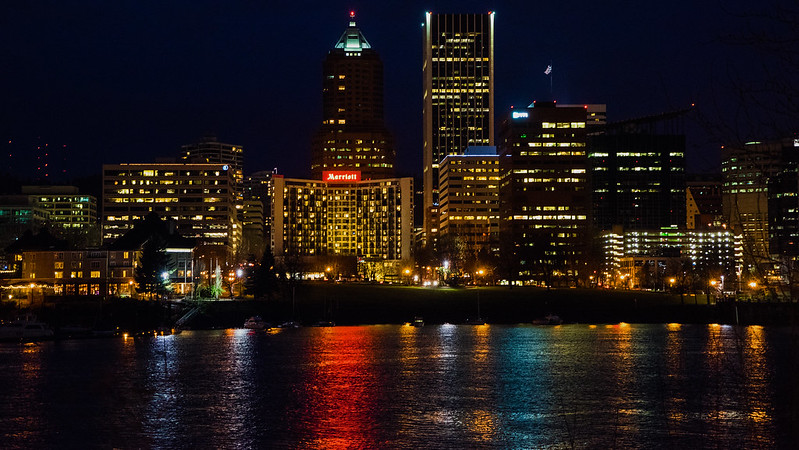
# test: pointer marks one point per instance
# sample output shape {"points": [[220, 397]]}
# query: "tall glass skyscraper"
{"points": [[458, 94]]}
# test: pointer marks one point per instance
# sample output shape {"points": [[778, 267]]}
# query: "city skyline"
{"points": [[132, 82]]}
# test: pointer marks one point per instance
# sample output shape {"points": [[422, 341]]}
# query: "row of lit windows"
{"points": [[155, 173], [454, 218], [553, 180], [448, 59], [562, 124], [190, 181], [546, 171], [550, 217], [556, 144]]}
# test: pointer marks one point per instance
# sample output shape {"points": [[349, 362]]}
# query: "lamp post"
{"points": [[239, 274], [713, 284]]}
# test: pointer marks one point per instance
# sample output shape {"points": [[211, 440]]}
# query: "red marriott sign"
{"points": [[341, 177]]}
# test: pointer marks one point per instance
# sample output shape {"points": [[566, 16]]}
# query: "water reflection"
{"points": [[757, 376], [339, 389], [575, 386]]}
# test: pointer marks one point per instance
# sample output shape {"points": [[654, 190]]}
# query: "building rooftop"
{"points": [[352, 40]]}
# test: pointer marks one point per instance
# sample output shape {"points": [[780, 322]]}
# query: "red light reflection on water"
{"points": [[341, 389]]}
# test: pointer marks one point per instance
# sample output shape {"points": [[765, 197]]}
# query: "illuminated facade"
{"points": [[365, 219], [65, 206], [458, 97], [637, 172], [353, 135], [469, 198], [544, 195], [63, 209], [210, 151], [198, 198], [669, 252], [745, 171], [107, 271]]}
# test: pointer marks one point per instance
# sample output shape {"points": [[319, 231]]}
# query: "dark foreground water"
{"points": [[581, 386]]}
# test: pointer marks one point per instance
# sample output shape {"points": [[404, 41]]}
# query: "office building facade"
{"points": [[544, 193], [458, 97], [198, 198], [637, 170], [469, 200], [745, 171]]}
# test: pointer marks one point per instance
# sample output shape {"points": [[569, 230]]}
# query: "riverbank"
{"points": [[355, 304]]}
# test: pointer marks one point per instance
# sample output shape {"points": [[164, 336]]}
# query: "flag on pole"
{"points": [[549, 70]]}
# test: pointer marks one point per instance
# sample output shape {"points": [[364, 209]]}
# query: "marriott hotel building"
{"points": [[342, 215]]}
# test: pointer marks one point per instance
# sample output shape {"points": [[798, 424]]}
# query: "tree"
{"points": [[154, 264], [265, 279]]}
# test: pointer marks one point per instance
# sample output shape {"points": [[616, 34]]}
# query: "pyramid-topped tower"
{"points": [[352, 136]]}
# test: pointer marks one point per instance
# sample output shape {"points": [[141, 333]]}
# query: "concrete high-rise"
{"points": [[353, 136], [458, 94], [469, 189], [544, 194]]}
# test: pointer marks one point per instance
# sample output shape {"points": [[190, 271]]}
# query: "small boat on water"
{"points": [[326, 323], [25, 328], [289, 324], [417, 322], [256, 323], [549, 319]]}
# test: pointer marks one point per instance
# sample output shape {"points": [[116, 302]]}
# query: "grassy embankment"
{"points": [[374, 304], [351, 304]]}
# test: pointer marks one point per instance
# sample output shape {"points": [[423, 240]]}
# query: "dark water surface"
{"points": [[581, 386]]}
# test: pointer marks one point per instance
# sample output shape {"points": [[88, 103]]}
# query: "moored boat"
{"points": [[25, 328], [549, 319], [256, 323]]}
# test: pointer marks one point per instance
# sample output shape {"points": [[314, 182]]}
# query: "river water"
{"points": [[447, 386]]}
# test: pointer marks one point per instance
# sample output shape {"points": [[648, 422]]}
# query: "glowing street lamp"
{"points": [[239, 274]]}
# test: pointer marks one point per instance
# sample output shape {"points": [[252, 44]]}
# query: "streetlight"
{"points": [[239, 274]]}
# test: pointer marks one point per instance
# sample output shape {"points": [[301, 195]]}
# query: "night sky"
{"points": [[128, 81]]}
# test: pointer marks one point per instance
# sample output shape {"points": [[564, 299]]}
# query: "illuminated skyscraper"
{"points": [[544, 193], [458, 93], [353, 136]]}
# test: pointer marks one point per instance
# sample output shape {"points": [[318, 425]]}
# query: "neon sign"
{"points": [[519, 114], [341, 177]]}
